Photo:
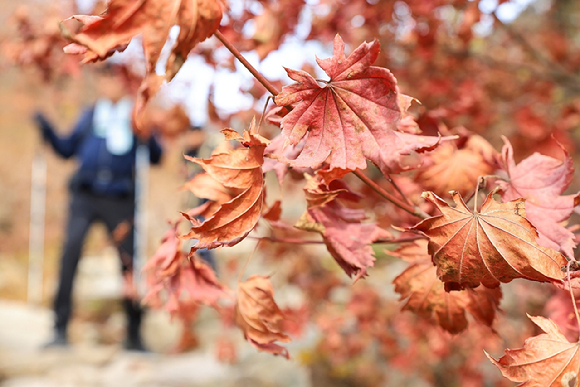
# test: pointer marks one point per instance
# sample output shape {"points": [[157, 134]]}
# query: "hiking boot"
{"points": [[134, 344], [59, 341]]}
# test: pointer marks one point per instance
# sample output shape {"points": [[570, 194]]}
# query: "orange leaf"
{"points": [[457, 169], [237, 169], [546, 360], [496, 244], [125, 19], [204, 186], [259, 317], [425, 295], [153, 19]]}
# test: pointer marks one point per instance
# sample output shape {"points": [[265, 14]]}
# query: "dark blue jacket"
{"points": [[99, 171]]}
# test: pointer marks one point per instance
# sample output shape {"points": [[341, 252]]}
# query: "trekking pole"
{"points": [[140, 229], [36, 229]]}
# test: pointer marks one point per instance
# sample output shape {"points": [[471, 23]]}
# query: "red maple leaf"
{"points": [[185, 280], [102, 36], [347, 239], [125, 19], [541, 180], [351, 118]]}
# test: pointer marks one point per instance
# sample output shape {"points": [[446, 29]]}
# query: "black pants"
{"points": [[85, 209]]}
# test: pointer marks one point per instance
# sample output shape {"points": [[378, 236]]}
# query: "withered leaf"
{"points": [[259, 317], [125, 19], [153, 19], [239, 169], [424, 294], [546, 360], [493, 245]]}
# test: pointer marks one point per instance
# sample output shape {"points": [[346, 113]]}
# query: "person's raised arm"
{"points": [[64, 146]]}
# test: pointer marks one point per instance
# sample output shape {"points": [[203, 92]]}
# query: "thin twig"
{"points": [[246, 64], [397, 202], [295, 241], [401, 240], [298, 241], [480, 185], [396, 187]]}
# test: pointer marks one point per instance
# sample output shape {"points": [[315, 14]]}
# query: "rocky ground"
{"points": [[97, 359]]}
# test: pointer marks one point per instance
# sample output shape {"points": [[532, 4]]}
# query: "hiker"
{"points": [[102, 189]]}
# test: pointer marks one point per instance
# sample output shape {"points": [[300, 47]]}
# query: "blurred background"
{"points": [[490, 67]]}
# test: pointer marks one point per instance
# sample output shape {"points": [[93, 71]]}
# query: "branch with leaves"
{"points": [[329, 132]]}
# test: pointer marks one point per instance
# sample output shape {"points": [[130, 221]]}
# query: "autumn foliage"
{"points": [[406, 157]]}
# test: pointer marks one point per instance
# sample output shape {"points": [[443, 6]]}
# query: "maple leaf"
{"points": [[493, 245], [455, 168], [546, 360], [185, 280], [425, 295], [124, 19], [560, 309], [259, 317], [102, 36], [347, 239], [351, 118], [236, 169], [318, 193], [204, 186], [541, 180], [279, 157]]}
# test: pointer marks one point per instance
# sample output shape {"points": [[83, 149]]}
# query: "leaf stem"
{"points": [[246, 64], [264, 112], [397, 202], [241, 273], [480, 184]]}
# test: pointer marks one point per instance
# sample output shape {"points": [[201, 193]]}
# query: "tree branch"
{"points": [[298, 241], [246, 64]]}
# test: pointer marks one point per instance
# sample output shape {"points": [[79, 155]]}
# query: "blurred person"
{"points": [[102, 189]]}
